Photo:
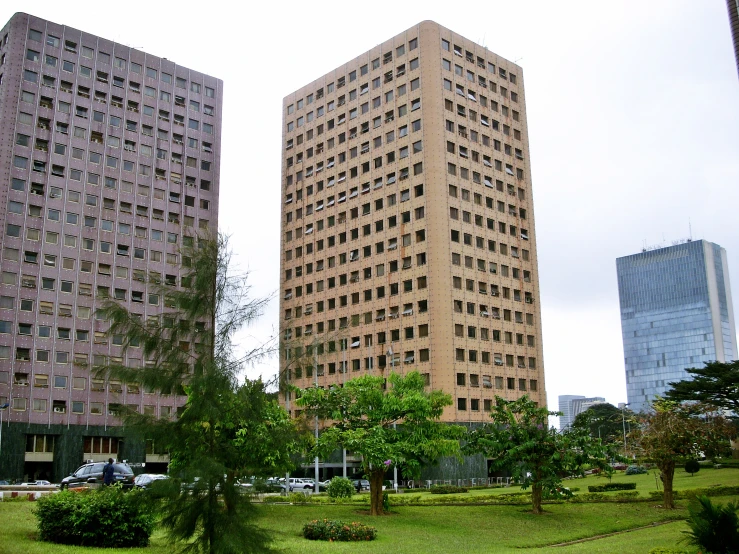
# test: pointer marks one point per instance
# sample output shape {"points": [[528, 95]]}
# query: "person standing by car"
{"points": [[108, 472]]}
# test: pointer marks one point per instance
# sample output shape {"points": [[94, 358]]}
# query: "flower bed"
{"points": [[334, 530]]}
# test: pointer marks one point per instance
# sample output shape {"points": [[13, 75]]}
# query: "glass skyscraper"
{"points": [[676, 313]]}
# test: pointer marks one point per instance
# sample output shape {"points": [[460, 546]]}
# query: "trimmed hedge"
{"points": [[623, 496], [446, 489], [105, 517], [724, 490], [335, 530], [612, 487]]}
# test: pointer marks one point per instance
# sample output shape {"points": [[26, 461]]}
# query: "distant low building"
{"points": [[572, 404]]}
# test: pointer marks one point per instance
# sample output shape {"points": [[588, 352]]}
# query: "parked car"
{"points": [[297, 483], [39, 483], [145, 480], [93, 473], [361, 485]]}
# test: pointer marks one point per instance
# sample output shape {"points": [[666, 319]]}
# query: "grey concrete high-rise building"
{"points": [[109, 163], [408, 239], [676, 312]]}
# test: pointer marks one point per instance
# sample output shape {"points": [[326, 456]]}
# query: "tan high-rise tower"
{"points": [[408, 236]]}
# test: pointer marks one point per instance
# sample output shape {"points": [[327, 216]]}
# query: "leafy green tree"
{"points": [[675, 431], [717, 384], [226, 429], [520, 440], [603, 421], [360, 417]]}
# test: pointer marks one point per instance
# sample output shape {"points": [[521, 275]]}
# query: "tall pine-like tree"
{"points": [[226, 429]]}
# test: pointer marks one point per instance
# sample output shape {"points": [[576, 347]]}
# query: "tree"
{"points": [[360, 417], [675, 431], [521, 441], [717, 384], [603, 421], [225, 430], [692, 466]]}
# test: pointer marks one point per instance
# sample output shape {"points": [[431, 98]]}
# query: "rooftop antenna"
{"points": [[483, 41], [517, 60], [690, 231]]}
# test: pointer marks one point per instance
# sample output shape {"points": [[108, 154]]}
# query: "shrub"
{"points": [[692, 467], [385, 502], [612, 487], [334, 530], [106, 518], [446, 489], [635, 470], [713, 528], [297, 498], [340, 487], [662, 550]]}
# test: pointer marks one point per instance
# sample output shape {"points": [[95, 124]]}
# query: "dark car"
{"points": [[93, 473], [361, 484]]}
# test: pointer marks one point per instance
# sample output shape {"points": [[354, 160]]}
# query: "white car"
{"points": [[298, 483], [39, 483], [145, 480]]}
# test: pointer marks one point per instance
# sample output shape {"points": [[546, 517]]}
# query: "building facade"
{"points": [[570, 405], [565, 408], [110, 162], [733, 8], [408, 238], [676, 313]]}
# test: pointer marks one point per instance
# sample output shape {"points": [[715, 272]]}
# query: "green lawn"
{"points": [[443, 529]]}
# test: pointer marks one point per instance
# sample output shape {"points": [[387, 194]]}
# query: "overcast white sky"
{"points": [[633, 111]]}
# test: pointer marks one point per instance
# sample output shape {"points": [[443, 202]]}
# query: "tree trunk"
{"points": [[536, 493], [668, 473], [376, 479]]}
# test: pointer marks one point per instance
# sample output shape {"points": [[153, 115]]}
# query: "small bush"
{"points": [[334, 530], [340, 487], [713, 528], [662, 550], [612, 487], [692, 467], [106, 517], [446, 489], [385, 502], [636, 470], [297, 498]]}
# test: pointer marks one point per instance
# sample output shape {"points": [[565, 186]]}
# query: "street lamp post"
{"points": [[2, 411], [623, 405]]}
